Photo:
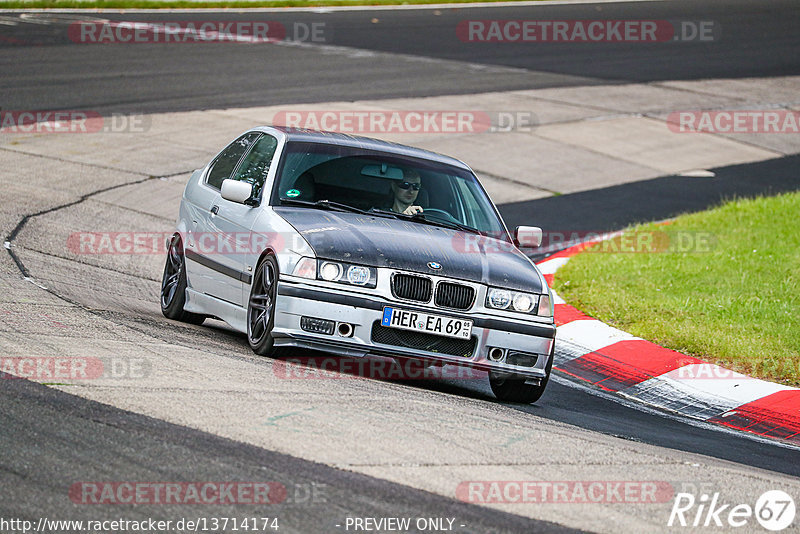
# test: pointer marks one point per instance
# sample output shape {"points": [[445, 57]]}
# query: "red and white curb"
{"points": [[618, 362]]}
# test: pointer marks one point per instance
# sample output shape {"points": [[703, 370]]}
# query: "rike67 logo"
{"points": [[774, 510]]}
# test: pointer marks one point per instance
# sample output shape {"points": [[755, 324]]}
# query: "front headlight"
{"points": [[330, 271], [523, 302], [498, 298], [345, 273], [358, 275], [503, 299]]}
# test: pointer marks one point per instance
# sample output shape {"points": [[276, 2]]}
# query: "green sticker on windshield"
{"points": [[291, 193]]}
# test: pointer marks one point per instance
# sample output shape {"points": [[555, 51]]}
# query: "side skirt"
{"points": [[235, 316]]}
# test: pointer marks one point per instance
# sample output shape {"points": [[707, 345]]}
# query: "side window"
{"points": [[256, 163], [226, 162]]}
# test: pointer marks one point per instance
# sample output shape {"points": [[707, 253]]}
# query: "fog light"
{"points": [[317, 326], [523, 359]]}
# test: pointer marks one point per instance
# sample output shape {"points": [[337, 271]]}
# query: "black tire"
{"points": [[510, 388], [261, 307], [173, 285]]}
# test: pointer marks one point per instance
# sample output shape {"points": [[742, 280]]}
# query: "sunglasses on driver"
{"points": [[407, 185]]}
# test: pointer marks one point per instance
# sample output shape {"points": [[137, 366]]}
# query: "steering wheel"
{"points": [[440, 213]]}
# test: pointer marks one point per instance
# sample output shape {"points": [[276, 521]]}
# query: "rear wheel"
{"points": [[510, 388], [173, 285], [261, 307]]}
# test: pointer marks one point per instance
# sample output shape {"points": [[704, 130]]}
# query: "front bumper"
{"points": [[296, 300]]}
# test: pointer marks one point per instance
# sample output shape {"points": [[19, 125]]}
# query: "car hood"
{"points": [[409, 246]]}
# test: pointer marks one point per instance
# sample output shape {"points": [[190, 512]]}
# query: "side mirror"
{"points": [[236, 191], [528, 236]]}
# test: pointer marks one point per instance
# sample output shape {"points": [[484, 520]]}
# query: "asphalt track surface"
{"points": [[73, 439], [380, 54], [619, 206], [49, 438]]}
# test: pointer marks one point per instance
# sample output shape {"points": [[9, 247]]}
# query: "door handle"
{"points": [[214, 210]]}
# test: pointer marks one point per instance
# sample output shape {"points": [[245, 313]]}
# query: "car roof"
{"points": [[336, 138]]}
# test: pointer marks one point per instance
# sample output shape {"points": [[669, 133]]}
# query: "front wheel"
{"points": [[173, 285], [261, 307], [507, 388]]}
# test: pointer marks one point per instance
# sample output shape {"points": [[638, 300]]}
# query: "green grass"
{"points": [[236, 4], [736, 304]]}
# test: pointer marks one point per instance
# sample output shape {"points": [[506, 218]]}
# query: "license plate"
{"points": [[428, 323]]}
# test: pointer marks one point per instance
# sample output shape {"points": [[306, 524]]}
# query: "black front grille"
{"points": [[454, 296], [418, 288], [422, 341]]}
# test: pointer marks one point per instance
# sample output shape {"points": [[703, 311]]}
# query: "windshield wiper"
{"points": [[449, 224], [380, 211], [422, 218], [325, 204]]}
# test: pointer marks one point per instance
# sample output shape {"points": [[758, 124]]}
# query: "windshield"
{"points": [[384, 183]]}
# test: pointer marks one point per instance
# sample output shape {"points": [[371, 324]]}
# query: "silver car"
{"points": [[357, 247]]}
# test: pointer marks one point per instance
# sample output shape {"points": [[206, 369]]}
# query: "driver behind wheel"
{"points": [[405, 193]]}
